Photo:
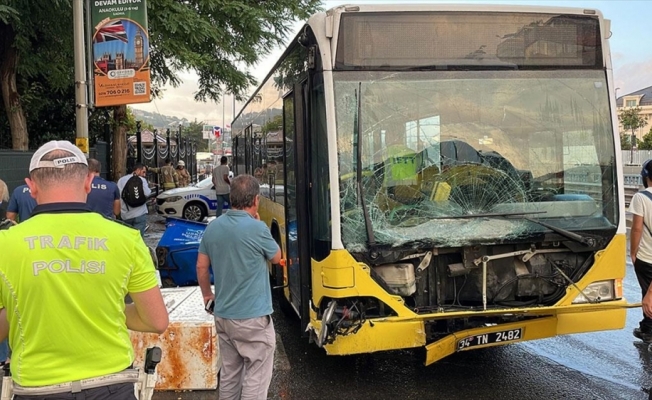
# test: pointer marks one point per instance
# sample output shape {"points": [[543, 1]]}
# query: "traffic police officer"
{"points": [[64, 283]]}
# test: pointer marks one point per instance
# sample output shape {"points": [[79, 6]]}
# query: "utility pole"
{"points": [[81, 103]]}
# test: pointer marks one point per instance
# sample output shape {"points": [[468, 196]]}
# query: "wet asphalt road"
{"points": [[603, 365]]}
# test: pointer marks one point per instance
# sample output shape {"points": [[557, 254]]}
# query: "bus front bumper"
{"points": [[568, 320], [545, 322]]}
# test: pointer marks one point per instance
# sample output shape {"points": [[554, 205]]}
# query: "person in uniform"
{"points": [[63, 288], [168, 177], [104, 197], [182, 173], [21, 204]]}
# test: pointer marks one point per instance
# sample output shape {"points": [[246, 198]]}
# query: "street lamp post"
{"points": [[81, 101]]}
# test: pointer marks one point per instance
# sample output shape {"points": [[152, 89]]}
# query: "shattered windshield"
{"points": [[442, 153]]}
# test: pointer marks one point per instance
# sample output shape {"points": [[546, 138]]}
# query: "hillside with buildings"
{"points": [[159, 121]]}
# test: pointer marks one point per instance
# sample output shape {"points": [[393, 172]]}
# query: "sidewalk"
{"points": [[156, 224]]}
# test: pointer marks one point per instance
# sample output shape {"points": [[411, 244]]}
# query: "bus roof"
{"points": [[461, 7], [351, 8]]}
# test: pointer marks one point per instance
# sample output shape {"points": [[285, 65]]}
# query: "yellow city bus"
{"points": [[442, 176]]}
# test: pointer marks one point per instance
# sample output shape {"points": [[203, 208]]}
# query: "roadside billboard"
{"points": [[120, 46], [207, 132]]}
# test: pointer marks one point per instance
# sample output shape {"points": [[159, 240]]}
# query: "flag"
{"points": [[217, 131], [114, 30]]}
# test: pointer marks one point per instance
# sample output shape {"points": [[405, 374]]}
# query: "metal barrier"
{"points": [[171, 146], [14, 164], [635, 157], [633, 180]]}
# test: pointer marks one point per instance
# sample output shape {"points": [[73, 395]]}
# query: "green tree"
{"points": [[194, 132], [274, 124], [631, 120], [646, 143], [35, 46], [220, 40], [626, 141]]}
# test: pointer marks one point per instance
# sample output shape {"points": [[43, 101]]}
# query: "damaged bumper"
{"points": [[403, 333]]}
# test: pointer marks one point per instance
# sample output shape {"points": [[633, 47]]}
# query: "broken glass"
{"points": [[448, 158]]}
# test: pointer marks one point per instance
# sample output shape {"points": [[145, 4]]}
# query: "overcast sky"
{"points": [[631, 54]]}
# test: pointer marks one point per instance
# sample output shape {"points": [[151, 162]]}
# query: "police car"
{"points": [[193, 203]]}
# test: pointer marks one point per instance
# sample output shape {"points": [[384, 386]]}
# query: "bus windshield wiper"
{"points": [[488, 215], [586, 241], [371, 240]]}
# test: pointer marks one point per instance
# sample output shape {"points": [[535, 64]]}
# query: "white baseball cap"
{"points": [[77, 156], [182, 163]]}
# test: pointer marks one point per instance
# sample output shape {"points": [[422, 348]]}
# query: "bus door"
{"points": [[295, 116]]}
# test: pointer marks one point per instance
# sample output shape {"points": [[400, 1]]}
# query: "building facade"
{"points": [[643, 100]]}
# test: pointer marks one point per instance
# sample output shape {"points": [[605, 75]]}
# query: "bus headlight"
{"points": [[600, 291]]}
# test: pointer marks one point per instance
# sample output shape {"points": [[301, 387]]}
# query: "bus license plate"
{"points": [[507, 336]]}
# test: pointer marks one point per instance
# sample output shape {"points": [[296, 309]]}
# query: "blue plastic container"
{"points": [[177, 252]]}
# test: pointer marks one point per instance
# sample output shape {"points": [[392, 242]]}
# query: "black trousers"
{"points": [[644, 275], [120, 391]]}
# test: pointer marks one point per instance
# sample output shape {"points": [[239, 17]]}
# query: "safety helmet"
{"points": [[645, 173], [181, 164]]}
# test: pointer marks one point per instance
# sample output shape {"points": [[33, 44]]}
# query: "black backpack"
{"points": [[133, 194]]}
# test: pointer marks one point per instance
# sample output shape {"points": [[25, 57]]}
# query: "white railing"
{"points": [[636, 157], [633, 180]]}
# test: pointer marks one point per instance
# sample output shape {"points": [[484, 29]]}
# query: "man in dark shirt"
{"points": [[104, 197], [21, 204]]}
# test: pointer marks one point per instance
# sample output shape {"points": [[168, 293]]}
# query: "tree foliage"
{"points": [[627, 140], [646, 143], [194, 132], [36, 53], [274, 124], [220, 40], [631, 120]]}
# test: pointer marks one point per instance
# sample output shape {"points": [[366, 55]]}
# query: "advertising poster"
{"points": [[207, 132], [120, 46]]}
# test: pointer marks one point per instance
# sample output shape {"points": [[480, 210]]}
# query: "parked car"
{"points": [[193, 203]]}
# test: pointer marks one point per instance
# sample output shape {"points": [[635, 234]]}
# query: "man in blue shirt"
{"points": [[21, 204], [104, 197], [238, 245]]}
